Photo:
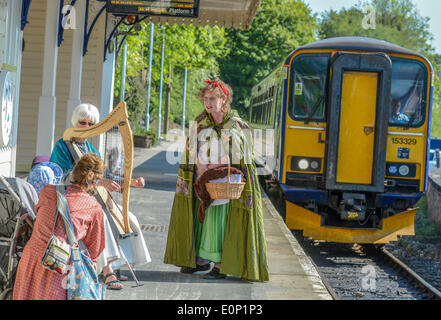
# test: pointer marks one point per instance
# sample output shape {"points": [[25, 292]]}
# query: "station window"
{"points": [[308, 87], [408, 93]]}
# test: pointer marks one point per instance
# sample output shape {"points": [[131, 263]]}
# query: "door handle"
{"points": [[368, 130]]}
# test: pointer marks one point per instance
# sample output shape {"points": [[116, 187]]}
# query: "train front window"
{"points": [[407, 93], [308, 85]]}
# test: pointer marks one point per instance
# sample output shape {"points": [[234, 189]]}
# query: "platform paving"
{"points": [[292, 275]]}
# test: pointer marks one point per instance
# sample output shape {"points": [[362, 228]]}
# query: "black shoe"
{"points": [[214, 274], [199, 267]]}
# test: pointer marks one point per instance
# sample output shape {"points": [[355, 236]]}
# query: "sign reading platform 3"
{"points": [[7, 106], [176, 8]]}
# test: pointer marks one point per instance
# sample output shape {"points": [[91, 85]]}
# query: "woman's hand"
{"points": [[137, 182], [222, 161], [110, 185]]}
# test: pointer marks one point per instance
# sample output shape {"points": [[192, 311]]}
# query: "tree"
{"points": [[278, 28], [436, 105], [397, 21], [194, 47]]}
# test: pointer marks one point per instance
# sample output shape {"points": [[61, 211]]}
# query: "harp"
{"points": [[118, 118]]}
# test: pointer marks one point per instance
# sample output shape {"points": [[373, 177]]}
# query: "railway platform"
{"points": [[292, 274]]}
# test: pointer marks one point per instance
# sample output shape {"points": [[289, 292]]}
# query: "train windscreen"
{"points": [[408, 91], [308, 85]]}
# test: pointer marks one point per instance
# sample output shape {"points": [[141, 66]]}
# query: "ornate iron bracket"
{"points": [[61, 18], [87, 32], [131, 24], [128, 33], [109, 39], [24, 13]]}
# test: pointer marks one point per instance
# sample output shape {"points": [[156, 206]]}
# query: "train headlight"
{"points": [[303, 164], [404, 170], [315, 164], [401, 170], [393, 169], [306, 164]]}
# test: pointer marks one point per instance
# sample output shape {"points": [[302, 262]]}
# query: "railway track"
{"points": [[369, 272], [427, 290], [366, 272]]}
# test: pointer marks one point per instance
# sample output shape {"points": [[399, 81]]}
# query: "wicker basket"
{"points": [[225, 190]]}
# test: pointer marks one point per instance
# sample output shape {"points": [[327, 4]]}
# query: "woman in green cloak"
{"points": [[229, 233]]}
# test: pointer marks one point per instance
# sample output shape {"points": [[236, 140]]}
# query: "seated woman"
{"points": [[44, 173], [33, 281], [83, 116]]}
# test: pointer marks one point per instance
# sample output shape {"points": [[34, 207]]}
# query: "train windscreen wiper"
{"points": [[412, 119], [314, 109]]}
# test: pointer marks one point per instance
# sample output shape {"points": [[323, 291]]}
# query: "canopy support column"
{"points": [[76, 66], [47, 101]]}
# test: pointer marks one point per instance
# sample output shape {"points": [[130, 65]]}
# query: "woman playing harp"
{"points": [[84, 116]]}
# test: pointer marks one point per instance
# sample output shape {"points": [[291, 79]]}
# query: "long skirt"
{"points": [[209, 235], [117, 251]]}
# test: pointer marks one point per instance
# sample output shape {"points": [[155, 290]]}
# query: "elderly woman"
{"points": [[228, 233], [86, 115], [43, 173], [33, 282]]}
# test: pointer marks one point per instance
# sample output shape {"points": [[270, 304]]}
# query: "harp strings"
{"points": [[114, 160]]}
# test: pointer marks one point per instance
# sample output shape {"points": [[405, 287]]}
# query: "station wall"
{"points": [[32, 74]]}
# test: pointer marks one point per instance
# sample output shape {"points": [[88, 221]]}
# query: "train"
{"points": [[347, 124]]}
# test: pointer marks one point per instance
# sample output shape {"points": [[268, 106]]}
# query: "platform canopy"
{"points": [[223, 13]]}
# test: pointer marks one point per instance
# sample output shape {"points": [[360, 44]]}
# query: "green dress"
{"points": [[243, 251], [209, 236]]}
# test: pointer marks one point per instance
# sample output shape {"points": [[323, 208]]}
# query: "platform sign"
{"points": [[176, 8]]}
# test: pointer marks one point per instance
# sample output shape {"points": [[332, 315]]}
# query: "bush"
{"points": [[138, 131]]}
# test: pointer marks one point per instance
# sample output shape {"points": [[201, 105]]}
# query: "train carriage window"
{"points": [[408, 93], [308, 86]]}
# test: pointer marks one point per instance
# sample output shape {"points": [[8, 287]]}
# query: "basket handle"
{"points": [[228, 179]]}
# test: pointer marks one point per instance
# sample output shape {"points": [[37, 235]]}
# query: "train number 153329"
{"points": [[410, 141]]}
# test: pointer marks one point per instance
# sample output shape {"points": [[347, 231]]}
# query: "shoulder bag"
{"points": [[82, 281]]}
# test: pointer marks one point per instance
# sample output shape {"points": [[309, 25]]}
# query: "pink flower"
{"points": [[250, 201], [182, 186]]}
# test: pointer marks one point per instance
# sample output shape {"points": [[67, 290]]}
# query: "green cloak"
{"points": [[244, 252]]}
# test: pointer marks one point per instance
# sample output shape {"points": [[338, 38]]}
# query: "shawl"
{"points": [[61, 155], [244, 250], [201, 190]]}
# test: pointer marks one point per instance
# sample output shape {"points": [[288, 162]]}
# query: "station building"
{"points": [[56, 54]]}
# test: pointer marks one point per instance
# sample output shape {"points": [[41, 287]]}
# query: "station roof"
{"points": [[223, 13]]}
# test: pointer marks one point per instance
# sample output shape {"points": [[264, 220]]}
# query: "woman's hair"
{"points": [[89, 167], [218, 86], [85, 111]]}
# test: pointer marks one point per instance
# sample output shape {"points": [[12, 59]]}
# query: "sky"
{"points": [[426, 8]]}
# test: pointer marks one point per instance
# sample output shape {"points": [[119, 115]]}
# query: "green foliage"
{"points": [[244, 57], [436, 105], [193, 47], [279, 27], [423, 225], [397, 21], [146, 133], [136, 99]]}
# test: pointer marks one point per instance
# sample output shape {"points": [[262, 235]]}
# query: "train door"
{"points": [[357, 121]]}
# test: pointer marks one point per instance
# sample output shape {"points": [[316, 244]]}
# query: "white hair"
{"points": [[85, 111]]}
